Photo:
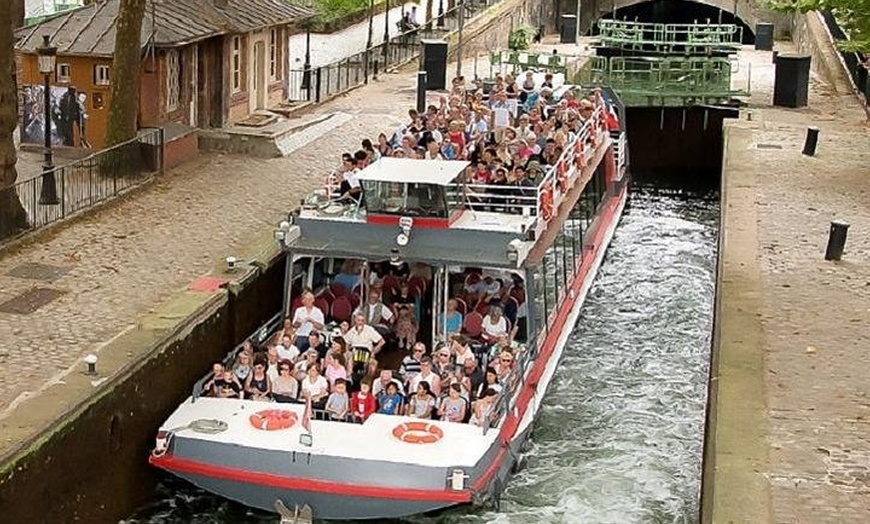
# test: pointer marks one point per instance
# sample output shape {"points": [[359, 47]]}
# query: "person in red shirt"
{"points": [[363, 402]]}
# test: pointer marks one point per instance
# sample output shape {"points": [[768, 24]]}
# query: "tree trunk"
{"points": [[430, 7], [125, 72], [13, 218], [17, 13]]}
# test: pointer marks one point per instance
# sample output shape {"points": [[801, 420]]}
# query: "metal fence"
{"points": [[852, 59], [323, 82], [75, 187]]}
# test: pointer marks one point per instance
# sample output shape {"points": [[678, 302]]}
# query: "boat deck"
{"points": [[461, 445]]}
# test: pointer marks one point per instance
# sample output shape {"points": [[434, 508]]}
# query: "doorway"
{"points": [[259, 94]]}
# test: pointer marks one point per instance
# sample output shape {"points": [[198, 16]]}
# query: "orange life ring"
{"points": [[562, 172], [547, 203], [272, 419], [418, 433]]}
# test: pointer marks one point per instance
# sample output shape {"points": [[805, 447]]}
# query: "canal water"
{"points": [[620, 436]]}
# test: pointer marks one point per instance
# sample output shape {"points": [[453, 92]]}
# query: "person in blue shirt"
{"points": [[390, 401], [452, 317]]}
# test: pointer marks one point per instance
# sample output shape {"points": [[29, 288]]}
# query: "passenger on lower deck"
{"points": [[285, 388], [258, 386], [483, 411], [363, 402], [422, 403], [453, 408], [315, 387], [338, 402], [390, 400], [376, 313]]}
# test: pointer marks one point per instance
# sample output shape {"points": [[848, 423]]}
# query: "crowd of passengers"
{"points": [[459, 381], [510, 134]]}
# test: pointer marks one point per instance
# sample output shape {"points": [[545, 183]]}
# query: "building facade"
{"points": [[205, 63]]}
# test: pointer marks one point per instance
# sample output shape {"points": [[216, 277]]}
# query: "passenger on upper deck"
{"points": [[426, 375]]}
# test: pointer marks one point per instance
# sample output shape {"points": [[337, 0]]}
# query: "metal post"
{"points": [[421, 91], [459, 41], [386, 34], [577, 29], [811, 141], [440, 13], [48, 193], [368, 52], [306, 68], [836, 240]]}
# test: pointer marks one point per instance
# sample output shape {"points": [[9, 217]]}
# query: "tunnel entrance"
{"points": [[677, 146], [681, 12]]}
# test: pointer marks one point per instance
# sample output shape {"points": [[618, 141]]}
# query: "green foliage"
{"points": [[852, 15], [521, 37], [331, 10]]}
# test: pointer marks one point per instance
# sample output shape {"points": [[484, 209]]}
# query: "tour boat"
{"points": [[545, 242]]}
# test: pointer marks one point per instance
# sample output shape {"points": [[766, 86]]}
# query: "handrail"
{"points": [[624, 32], [260, 335]]}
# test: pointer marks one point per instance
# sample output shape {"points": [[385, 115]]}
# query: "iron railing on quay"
{"points": [[92, 180], [323, 82], [853, 60]]}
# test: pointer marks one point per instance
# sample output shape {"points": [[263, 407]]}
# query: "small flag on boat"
{"points": [[306, 417]]}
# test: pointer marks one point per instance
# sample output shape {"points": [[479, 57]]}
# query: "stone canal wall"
{"points": [[91, 466]]}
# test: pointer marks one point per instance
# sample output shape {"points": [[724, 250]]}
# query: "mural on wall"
{"points": [[68, 116]]}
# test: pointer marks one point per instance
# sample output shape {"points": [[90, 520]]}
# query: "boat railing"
{"points": [[258, 337], [542, 199], [619, 152], [523, 359]]}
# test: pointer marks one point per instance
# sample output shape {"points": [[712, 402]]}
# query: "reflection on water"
{"points": [[619, 438]]}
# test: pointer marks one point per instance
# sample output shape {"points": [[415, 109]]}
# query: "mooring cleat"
{"points": [[303, 515]]}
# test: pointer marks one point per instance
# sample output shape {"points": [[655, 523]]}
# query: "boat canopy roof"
{"points": [[408, 170]]}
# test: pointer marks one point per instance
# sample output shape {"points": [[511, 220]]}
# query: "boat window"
{"points": [[406, 199]]}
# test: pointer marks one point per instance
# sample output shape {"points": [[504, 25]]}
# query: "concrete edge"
{"points": [[736, 455], [154, 330]]}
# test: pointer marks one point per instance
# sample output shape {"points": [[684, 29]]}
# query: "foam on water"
{"points": [[620, 435]]}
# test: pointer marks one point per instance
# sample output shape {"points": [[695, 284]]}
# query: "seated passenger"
{"points": [[258, 386], [315, 342], [375, 313], [406, 328], [410, 367], [286, 349], [490, 381], [452, 408], [461, 350], [230, 387], [272, 361], [426, 375], [334, 368], [306, 319], [363, 402], [211, 388], [315, 387], [243, 367], [384, 380], [483, 410], [442, 364], [300, 369], [390, 401], [494, 325], [452, 318], [338, 402], [503, 366], [422, 403], [363, 339], [285, 388]]}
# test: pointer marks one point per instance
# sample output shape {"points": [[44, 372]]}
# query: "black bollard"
{"points": [[836, 240], [421, 91], [774, 56], [812, 141]]}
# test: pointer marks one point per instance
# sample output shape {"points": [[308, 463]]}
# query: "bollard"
{"points": [[836, 240], [421, 91], [91, 361], [774, 56], [812, 141]]}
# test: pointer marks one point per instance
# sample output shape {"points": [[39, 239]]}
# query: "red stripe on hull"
{"points": [[174, 464]]}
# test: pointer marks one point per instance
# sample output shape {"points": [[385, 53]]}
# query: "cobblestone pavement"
{"points": [[127, 258], [813, 314]]}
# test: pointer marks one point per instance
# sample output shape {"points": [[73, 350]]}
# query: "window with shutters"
{"points": [[64, 71], [101, 75], [273, 53], [237, 63], [173, 80]]}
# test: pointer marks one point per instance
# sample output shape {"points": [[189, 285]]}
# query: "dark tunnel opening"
{"points": [[681, 12]]}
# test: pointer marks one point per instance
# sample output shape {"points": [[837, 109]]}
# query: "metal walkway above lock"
{"points": [[688, 39]]}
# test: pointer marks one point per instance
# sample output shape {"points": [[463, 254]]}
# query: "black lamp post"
{"points": [[306, 67], [440, 13], [369, 41], [386, 34], [47, 58]]}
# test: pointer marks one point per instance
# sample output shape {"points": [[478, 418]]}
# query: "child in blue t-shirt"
{"points": [[389, 401]]}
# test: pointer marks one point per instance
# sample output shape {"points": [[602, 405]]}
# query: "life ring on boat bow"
{"points": [[273, 419], [418, 433]]}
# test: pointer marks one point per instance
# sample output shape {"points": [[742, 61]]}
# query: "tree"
{"points": [[852, 15], [125, 72], [13, 218], [17, 13]]}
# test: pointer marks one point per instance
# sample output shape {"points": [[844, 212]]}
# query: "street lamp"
{"points": [[47, 58], [369, 41], [459, 45], [440, 13], [306, 67], [386, 34]]}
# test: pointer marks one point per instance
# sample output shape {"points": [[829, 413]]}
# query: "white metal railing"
{"points": [[619, 154]]}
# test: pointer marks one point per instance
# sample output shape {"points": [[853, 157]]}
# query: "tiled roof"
{"points": [[91, 29]]}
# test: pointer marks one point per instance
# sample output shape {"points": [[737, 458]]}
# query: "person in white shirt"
{"points": [[306, 318], [362, 335], [494, 325], [315, 387], [433, 151], [286, 350], [376, 313], [461, 350], [385, 378], [426, 375]]}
